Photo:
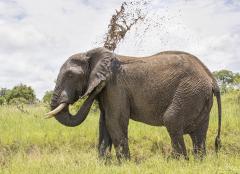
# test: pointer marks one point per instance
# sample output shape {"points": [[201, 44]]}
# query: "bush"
{"points": [[18, 101], [21, 93], [3, 91], [2, 100], [47, 97]]}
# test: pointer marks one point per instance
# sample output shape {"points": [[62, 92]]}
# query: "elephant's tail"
{"points": [[217, 93]]}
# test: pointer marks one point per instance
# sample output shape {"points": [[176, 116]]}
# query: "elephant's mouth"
{"points": [[62, 114], [57, 108], [55, 111]]}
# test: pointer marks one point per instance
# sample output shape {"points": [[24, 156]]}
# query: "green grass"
{"points": [[31, 144]]}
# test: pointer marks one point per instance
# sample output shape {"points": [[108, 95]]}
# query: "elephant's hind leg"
{"points": [[178, 144], [105, 141], [198, 136], [173, 122]]}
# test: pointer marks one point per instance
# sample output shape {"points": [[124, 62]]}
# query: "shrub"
{"points": [[47, 97], [18, 101], [2, 100], [21, 93]]}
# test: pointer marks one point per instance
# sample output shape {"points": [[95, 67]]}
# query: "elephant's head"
{"points": [[83, 74]]}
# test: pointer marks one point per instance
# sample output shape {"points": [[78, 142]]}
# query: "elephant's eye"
{"points": [[70, 74]]}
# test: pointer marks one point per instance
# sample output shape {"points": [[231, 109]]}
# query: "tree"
{"points": [[227, 79], [224, 76], [47, 97], [3, 92], [2, 100], [21, 93]]}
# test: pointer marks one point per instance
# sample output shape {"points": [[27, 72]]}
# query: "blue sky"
{"points": [[36, 37]]}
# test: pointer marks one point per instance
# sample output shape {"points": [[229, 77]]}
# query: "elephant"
{"points": [[172, 89]]}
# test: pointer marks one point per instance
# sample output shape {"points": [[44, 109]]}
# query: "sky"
{"points": [[36, 37]]}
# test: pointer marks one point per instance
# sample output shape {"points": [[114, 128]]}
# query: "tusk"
{"points": [[55, 111]]}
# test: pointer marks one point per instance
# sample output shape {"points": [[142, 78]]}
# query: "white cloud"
{"points": [[208, 29], [36, 37]]}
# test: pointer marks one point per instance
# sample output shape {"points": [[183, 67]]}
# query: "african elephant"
{"points": [[172, 89]]}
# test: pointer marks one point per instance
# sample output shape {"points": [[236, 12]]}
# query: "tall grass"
{"points": [[31, 144]]}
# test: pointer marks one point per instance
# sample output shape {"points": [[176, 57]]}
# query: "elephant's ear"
{"points": [[100, 68]]}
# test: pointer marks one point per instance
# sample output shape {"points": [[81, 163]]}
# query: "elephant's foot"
{"points": [[175, 155], [104, 154], [104, 151], [122, 151]]}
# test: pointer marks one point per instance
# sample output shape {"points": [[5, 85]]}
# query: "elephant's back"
{"points": [[189, 62], [168, 64], [178, 61]]}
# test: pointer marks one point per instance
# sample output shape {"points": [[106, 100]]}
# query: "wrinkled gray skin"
{"points": [[172, 89]]}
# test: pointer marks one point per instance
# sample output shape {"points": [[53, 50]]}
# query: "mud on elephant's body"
{"points": [[172, 89]]}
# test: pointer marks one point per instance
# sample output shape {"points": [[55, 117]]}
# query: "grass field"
{"points": [[30, 144]]}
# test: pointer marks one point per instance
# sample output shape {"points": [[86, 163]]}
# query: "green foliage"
{"points": [[77, 105], [237, 79], [30, 144], [20, 93], [224, 76], [47, 97], [3, 91], [18, 101], [227, 80], [238, 97], [2, 100]]}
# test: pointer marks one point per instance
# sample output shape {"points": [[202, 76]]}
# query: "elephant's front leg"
{"points": [[117, 113], [105, 141], [117, 125]]}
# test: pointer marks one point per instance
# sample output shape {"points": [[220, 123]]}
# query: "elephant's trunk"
{"points": [[65, 118]]}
